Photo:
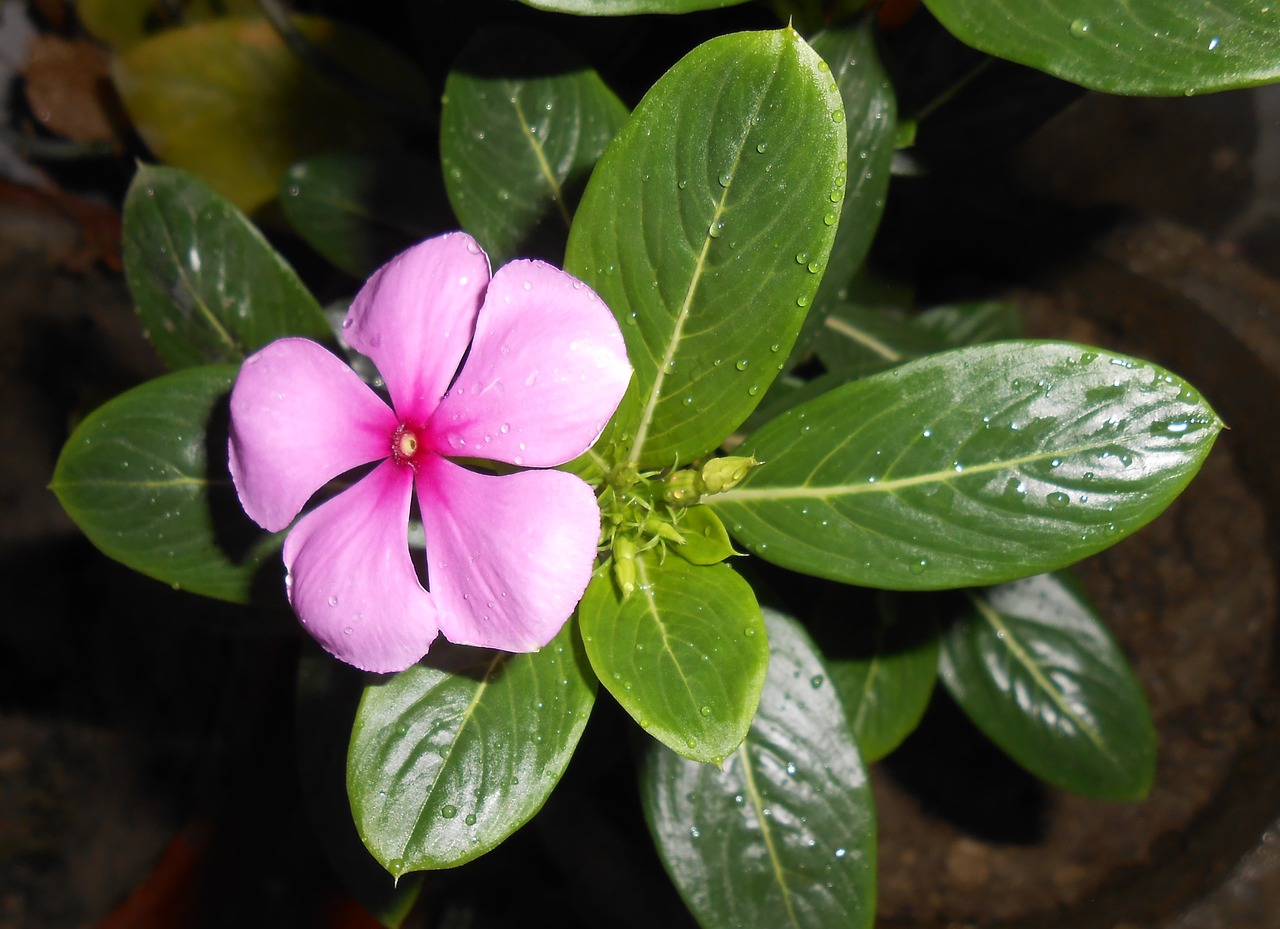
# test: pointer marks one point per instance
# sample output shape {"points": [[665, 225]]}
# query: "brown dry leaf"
{"points": [[57, 229], [69, 90]]}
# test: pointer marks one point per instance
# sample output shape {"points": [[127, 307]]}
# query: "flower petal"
{"points": [[299, 418], [415, 318], [546, 370], [351, 580], [508, 556]]}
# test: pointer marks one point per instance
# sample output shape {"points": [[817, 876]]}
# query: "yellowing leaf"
{"points": [[229, 101]]}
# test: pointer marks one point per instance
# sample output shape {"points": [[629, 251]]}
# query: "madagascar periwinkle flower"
{"points": [[508, 554]]}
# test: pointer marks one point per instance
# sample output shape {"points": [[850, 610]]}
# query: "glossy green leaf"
{"points": [[703, 229], [685, 654], [975, 466], [360, 209], [121, 23], [326, 695], [858, 340], [886, 684], [961, 324], [706, 541], [1037, 671], [453, 755], [784, 835], [1161, 47], [871, 119], [627, 7], [523, 124], [229, 101], [208, 287], [145, 478]]}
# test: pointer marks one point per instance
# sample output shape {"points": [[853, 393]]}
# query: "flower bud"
{"points": [[721, 474], [683, 488], [624, 564]]}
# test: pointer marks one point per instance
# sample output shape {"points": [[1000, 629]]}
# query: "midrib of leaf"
{"points": [[865, 339], [209, 315], [757, 803], [873, 671], [1007, 637], [444, 760], [655, 393], [806, 492], [646, 585], [557, 195]]}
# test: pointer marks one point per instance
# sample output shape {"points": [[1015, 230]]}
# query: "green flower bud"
{"points": [[655, 525], [721, 474], [683, 488], [624, 564]]}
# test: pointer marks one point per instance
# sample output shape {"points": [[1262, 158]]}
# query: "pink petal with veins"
{"points": [[509, 555], [299, 418], [415, 317], [546, 370], [351, 580]]}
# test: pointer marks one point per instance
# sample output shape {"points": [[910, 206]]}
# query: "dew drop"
{"points": [[830, 219], [761, 147], [448, 811], [705, 711], [919, 567], [753, 389], [333, 601], [726, 179], [816, 681], [684, 182], [1079, 28], [470, 818], [837, 115], [742, 364], [716, 229], [1058, 499], [802, 300]]}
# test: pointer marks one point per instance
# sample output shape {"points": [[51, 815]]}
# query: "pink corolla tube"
{"points": [[509, 555]]}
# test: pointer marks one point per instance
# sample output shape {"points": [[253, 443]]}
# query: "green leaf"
{"points": [[450, 757], [886, 683], [523, 124], [963, 324], [872, 113], [1037, 671], [229, 101], [975, 466], [360, 209], [685, 654], [145, 478], [706, 541], [703, 229], [121, 23], [627, 7], [208, 287], [1157, 47], [857, 341], [784, 835]]}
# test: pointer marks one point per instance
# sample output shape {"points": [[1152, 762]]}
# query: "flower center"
{"points": [[405, 445]]}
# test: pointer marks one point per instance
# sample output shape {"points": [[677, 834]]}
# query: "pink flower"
{"points": [[509, 555]]}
